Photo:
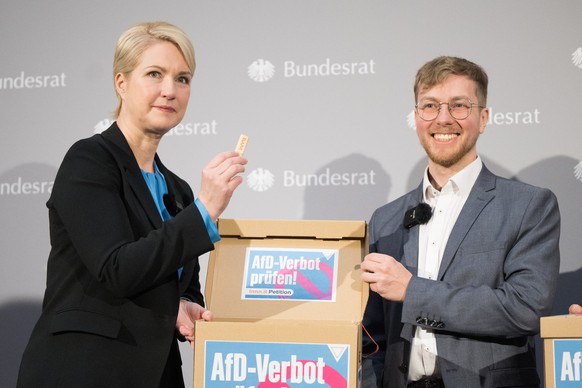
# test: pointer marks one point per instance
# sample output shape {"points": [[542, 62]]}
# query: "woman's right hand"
{"points": [[219, 180], [575, 309]]}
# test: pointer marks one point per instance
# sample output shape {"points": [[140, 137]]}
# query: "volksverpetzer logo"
{"points": [[577, 58], [260, 179], [578, 171], [261, 70]]}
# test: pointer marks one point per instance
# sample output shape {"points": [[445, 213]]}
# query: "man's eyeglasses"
{"points": [[459, 109]]}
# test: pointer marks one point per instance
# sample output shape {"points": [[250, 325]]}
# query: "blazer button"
{"points": [[422, 321]]}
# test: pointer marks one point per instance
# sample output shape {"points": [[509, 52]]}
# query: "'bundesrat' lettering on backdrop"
{"points": [[21, 187], [33, 81], [327, 178], [329, 69], [509, 118]]}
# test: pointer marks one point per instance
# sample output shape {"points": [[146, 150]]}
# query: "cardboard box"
{"points": [[287, 302], [562, 336]]}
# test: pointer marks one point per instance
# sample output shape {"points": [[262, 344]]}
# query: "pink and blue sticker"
{"points": [[290, 274]]}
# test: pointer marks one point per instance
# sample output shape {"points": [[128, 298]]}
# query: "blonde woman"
{"points": [[123, 272]]}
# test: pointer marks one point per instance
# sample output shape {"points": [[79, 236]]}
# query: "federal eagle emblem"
{"points": [[261, 70], [577, 57], [578, 171], [410, 121], [260, 179]]}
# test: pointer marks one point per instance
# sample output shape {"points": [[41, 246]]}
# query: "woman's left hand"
{"points": [[188, 314]]}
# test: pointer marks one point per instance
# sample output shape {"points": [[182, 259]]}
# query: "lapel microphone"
{"points": [[417, 215]]}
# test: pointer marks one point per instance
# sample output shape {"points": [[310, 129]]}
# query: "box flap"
{"points": [[319, 229], [233, 294], [561, 326]]}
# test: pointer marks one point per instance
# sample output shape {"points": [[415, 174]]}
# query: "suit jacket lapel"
{"points": [[187, 269], [481, 194], [171, 185], [130, 169], [410, 236], [410, 258]]}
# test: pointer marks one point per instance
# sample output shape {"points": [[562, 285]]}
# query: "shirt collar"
{"points": [[461, 183]]}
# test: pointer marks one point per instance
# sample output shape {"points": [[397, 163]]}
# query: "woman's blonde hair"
{"points": [[134, 41]]}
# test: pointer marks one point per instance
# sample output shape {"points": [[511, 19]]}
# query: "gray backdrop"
{"points": [[329, 121]]}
